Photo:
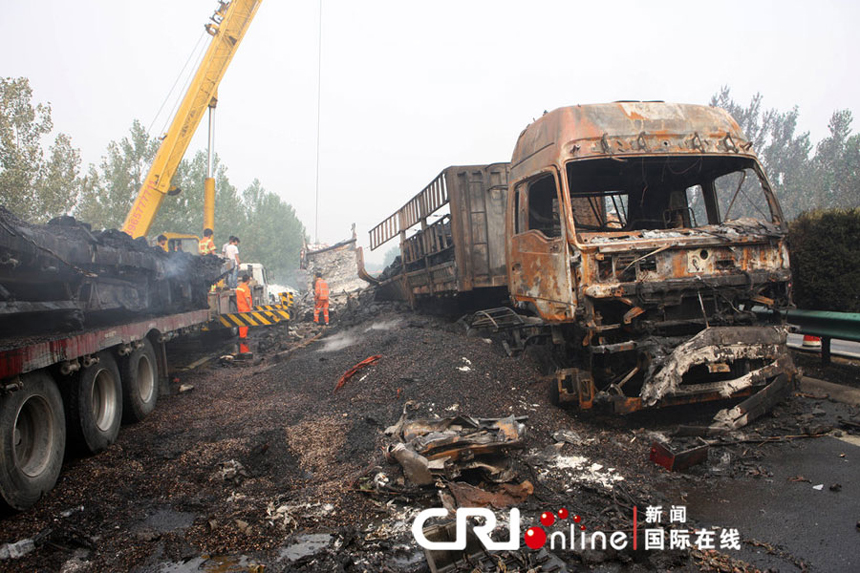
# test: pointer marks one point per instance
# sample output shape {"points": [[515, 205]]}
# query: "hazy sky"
{"points": [[409, 88]]}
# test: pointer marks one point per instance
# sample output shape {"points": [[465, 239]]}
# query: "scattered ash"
{"points": [[262, 462]]}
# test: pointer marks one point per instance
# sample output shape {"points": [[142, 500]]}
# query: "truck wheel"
{"points": [[139, 374], [32, 441], [94, 405]]}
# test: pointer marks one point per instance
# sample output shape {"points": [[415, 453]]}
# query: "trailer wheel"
{"points": [[139, 373], [32, 441], [94, 405]]}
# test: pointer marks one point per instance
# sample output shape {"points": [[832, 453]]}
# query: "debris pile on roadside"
{"points": [[339, 266], [448, 453]]}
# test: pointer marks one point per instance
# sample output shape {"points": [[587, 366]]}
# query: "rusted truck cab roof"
{"points": [[622, 129]]}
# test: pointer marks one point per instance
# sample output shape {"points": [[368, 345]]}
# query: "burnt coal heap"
{"points": [[63, 276]]}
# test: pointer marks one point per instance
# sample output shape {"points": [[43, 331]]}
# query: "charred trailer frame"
{"points": [[462, 251], [644, 234]]}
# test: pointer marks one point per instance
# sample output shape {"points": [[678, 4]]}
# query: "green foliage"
{"points": [[31, 186], [109, 190], [837, 164], [783, 153], [270, 232], [825, 260], [829, 179], [183, 213]]}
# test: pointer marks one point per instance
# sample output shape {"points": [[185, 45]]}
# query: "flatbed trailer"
{"points": [[77, 388]]}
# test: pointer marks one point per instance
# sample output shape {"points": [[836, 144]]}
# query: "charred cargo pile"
{"points": [[64, 276]]}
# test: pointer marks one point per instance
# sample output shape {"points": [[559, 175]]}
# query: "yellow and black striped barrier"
{"points": [[286, 299], [276, 309], [254, 318], [270, 307]]}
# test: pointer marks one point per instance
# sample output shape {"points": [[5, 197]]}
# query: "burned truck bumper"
{"points": [[718, 349], [715, 364]]}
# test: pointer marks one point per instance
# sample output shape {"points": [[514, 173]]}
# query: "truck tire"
{"points": [[94, 405], [139, 374], [32, 440]]}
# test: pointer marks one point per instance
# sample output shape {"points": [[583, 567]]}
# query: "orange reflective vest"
{"points": [[206, 246], [243, 297], [321, 290]]}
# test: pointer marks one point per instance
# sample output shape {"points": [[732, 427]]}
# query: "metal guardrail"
{"points": [[825, 324]]}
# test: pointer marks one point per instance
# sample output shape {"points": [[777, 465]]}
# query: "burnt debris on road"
{"points": [[264, 465]]}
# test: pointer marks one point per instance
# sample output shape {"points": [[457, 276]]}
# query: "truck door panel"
{"points": [[539, 261]]}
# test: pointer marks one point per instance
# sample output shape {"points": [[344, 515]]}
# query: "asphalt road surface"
{"points": [[785, 521]]}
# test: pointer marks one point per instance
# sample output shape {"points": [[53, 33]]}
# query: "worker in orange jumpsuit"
{"points": [[206, 245], [244, 303], [320, 299]]}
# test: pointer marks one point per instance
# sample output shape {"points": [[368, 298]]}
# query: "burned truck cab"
{"points": [[647, 235]]}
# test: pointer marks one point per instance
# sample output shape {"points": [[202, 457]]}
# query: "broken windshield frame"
{"points": [[667, 192]]}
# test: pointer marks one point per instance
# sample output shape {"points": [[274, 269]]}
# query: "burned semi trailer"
{"points": [[459, 246], [641, 238]]}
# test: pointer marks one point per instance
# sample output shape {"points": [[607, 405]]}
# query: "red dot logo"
{"points": [[582, 528], [562, 513], [577, 518], [535, 537], [547, 518]]}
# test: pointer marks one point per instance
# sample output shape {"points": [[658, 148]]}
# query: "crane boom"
{"points": [[228, 27]]}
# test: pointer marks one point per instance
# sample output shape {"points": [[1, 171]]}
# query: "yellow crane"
{"points": [[227, 27]]}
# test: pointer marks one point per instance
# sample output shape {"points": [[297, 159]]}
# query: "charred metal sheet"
{"points": [[716, 345], [624, 129], [507, 495], [362, 271], [662, 454], [756, 405], [540, 274], [447, 446]]}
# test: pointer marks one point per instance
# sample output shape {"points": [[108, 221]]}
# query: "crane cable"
{"points": [[173, 87], [319, 98]]}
